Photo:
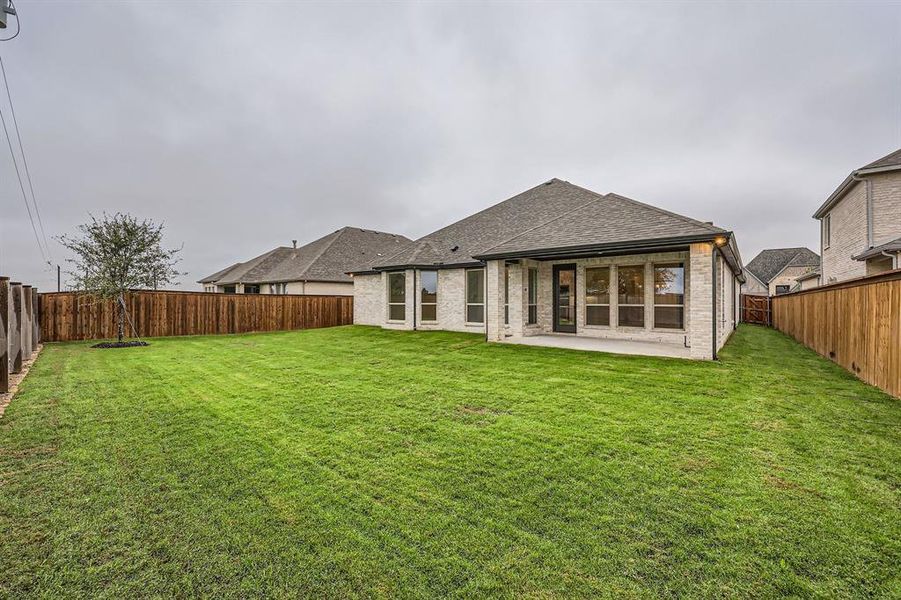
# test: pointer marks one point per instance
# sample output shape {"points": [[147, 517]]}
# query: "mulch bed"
{"points": [[131, 344]]}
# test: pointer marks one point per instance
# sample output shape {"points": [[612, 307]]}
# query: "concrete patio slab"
{"points": [[573, 342]]}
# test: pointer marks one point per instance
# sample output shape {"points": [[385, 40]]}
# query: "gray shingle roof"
{"points": [[329, 258], [770, 262], [555, 214], [889, 160]]}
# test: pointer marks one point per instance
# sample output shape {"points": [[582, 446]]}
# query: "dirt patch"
{"points": [[132, 344]]}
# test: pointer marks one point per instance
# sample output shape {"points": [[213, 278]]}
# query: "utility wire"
{"points": [[22, 187], [34, 198]]}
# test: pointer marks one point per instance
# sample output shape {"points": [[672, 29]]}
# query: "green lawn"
{"points": [[360, 462]]}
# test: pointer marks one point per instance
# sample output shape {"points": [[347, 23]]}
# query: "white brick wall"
{"points": [[849, 225], [370, 300]]}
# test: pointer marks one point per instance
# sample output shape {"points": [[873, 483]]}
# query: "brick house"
{"points": [[780, 271], [561, 265], [860, 222], [319, 267]]}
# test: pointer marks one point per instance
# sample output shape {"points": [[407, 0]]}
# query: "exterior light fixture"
{"points": [[719, 240]]}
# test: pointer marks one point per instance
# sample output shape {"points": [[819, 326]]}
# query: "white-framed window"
{"points": [[669, 296], [278, 288], [827, 231], [506, 294], [475, 295], [397, 296], [630, 284], [428, 295], [597, 296], [251, 288], [533, 296]]}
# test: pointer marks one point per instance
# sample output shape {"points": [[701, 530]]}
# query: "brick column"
{"points": [[494, 300], [518, 300], [700, 283], [4, 334], [15, 327]]}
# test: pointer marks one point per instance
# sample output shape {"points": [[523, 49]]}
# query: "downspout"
{"points": [[414, 298], [896, 258], [485, 311], [713, 296]]}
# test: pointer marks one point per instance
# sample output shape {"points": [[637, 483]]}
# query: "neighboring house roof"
{"points": [[555, 215], [892, 247], [769, 263], [329, 258], [889, 162]]}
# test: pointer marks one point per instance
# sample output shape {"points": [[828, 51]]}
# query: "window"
{"points": [[397, 296], [277, 288], [533, 296], [827, 231], [506, 294], [597, 296], [630, 282], [475, 296], [251, 289], [669, 296], [228, 289], [782, 289], [428, 295]]}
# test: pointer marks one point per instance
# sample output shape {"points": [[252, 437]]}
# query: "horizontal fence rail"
{"points": [[855, 323], [69, 316], [19, 331]]}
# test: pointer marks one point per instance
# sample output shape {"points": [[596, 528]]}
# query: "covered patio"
{"points": [[574, 342]]}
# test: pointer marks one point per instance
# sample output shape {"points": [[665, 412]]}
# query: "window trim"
{"points": [[643, 305], [532, 294], [609, 269], [681, 264], [827, 231], [435, 303], [466, 301], [506, 294], [403, 303]]}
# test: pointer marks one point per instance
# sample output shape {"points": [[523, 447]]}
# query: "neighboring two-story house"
{"points": [[780, 271], [860, 223]]}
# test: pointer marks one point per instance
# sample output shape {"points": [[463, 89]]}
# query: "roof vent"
{"points": [[455, 248], [294, 242]]}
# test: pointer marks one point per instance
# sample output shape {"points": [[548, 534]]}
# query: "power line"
{"points": [[22, 187], [34, 198]]}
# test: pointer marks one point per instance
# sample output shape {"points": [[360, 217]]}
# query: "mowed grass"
{"points": [[356, 462]]}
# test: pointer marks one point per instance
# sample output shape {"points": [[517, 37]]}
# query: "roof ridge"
{"points": [[713, 228], [319, 254], [542, 224]]}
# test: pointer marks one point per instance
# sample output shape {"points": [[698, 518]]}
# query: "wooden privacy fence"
{"points": [[70, 316], [19, 331], [755, 309], [855, 323]]}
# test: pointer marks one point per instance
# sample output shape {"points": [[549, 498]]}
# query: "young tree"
{"points": [[116, 253]]}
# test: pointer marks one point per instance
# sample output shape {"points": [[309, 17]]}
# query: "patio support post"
{"points": [[4, 335], [494, 300], [15, 327], [518, 299], [700, 284]]}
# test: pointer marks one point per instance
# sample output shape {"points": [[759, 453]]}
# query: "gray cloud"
{"points": [[243, 126]]}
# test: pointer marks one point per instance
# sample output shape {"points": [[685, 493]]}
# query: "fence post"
{"points": [[36, 320], [27, 325], [15, 326], [4, 335]]}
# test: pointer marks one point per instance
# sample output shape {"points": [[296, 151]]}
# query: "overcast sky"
{"points": [[242, 126]]}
